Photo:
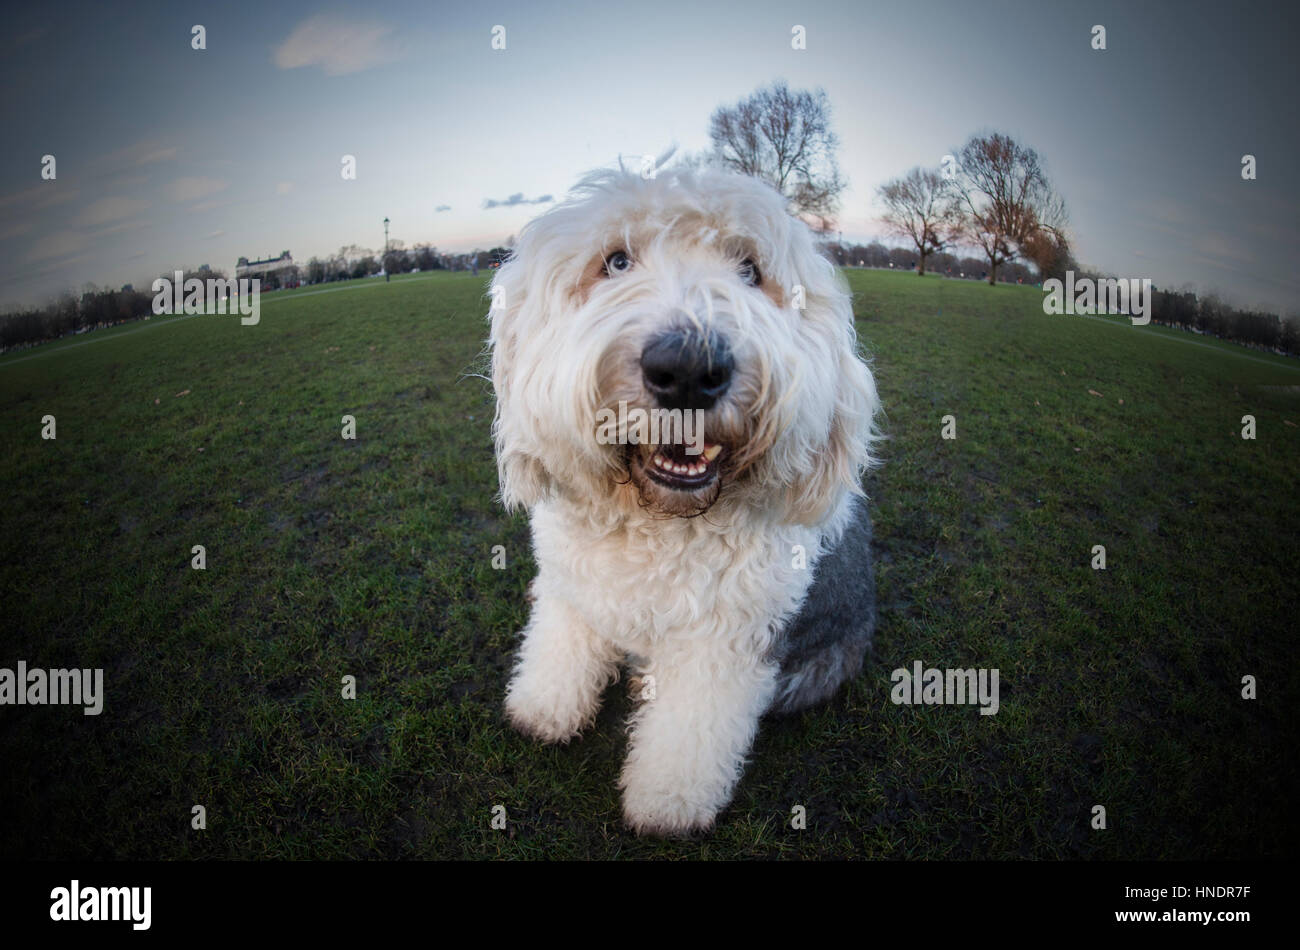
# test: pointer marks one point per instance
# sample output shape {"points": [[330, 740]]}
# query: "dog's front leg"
{"points": [[560, 672], [689, 741]]}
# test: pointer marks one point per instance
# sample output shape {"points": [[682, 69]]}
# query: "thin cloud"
{"points": [[339, 45], [37, 197], [60, 244], [137, 155], [15, 229], [125, 181], [212, 205], [156, 155], [515, 200], [192, 189], [107, 210], [119, 227]]}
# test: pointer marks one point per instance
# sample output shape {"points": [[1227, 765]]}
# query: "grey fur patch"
{"points": [[826, 642]]}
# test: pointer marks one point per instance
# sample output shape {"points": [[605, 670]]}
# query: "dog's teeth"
{"points": [[688, 469]]}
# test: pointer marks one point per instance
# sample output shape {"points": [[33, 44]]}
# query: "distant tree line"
{"points": [[70, 314], [94, 309], [1211, 316], [1182, 310], [352, 262], [947, 264]]}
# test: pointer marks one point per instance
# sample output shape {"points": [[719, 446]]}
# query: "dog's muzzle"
{"points": [[690, 370]]}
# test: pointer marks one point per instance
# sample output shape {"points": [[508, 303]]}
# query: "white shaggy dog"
{"points": [[736, 580]]}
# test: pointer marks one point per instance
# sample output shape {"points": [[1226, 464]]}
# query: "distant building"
{"points": [[280, 271]]}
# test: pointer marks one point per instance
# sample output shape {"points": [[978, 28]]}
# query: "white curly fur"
{"points": [[693, 588]]}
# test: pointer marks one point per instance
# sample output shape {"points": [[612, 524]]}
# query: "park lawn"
{"points": [[373, 558]]}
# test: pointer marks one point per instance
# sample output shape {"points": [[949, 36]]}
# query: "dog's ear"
{"points": [[523, 479], [847, 452]]}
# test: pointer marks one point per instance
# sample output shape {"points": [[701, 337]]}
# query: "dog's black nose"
{"points": [[687, 369]]}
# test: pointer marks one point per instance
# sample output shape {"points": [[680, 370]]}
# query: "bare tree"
{"points": [[784, 137], [923, 207], [1008, 201]]}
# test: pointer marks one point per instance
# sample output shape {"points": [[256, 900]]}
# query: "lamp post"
{"points": [[387, 276]]}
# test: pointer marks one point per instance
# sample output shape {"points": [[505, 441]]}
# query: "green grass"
{"points": [[372, 558]]}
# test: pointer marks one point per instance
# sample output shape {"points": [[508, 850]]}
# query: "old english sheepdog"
{"points": [[724, 554]]}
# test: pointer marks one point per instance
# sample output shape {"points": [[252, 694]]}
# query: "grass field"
{"points": [[372, 558]]}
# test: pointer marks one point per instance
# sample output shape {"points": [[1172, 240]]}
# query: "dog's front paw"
{"points": [[545, 711], [663, 795], [650, 811]]}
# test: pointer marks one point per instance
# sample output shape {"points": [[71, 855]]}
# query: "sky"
{"points": [[170, 157]]}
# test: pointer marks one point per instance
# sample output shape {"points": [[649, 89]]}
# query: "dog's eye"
{"points": [[749, 272], [617, 263]]}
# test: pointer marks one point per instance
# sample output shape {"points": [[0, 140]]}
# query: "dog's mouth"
{"points": [[674, 482], [673, 467]]}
